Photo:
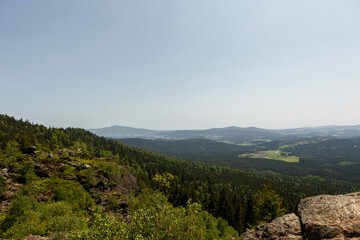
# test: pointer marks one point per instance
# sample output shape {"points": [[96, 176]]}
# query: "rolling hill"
{"points": [[230, 134]]}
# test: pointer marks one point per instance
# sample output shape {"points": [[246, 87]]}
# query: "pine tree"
{"points": [[269, 205]]}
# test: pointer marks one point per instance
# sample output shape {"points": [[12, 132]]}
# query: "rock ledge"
{"points": [[322, 217]]}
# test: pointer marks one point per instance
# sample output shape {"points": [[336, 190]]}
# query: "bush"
{"points": [[89, 178], [20, 205], [61, 190], [104, 227], [72, 193], [112, 203], [110, 169], [3, 188], [152, 219], [12, 148], [41, 219]]}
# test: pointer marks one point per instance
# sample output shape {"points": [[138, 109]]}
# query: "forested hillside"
{"points": [[191, 149], [70, 184], [323, 157], [243, 199]]}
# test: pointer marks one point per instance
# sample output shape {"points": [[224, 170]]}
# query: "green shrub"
{"points": [[10, 162], [20, 205], [43, 219], [46, 158], [106, 153], [64, 154], [61, 190], [28, 223], [12, 148], [3, 188], [29, 174], [112, 203], [110, 169], [152, 219], [68, 171], [89, 178], [72, 193], [103, 226]]}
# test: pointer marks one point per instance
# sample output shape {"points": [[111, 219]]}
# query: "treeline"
{"points": [[235, 195]]}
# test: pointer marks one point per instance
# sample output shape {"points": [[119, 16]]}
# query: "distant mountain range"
{"points": [[230, 134]]}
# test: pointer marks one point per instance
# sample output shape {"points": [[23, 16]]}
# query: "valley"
{"points": [[98, 180], [273, 155], [179, 120], [324, 157]]}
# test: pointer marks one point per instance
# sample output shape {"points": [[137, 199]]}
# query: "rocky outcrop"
{"points": [[286, 227], [331, 217], [80, 166], [321, 217], [37, 237], [66, 151], [127, 183], [8, 188], [46, 170]]}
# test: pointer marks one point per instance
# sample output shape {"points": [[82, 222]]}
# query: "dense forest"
{"points": [[200, 150], [202, 192], [324, 157]]}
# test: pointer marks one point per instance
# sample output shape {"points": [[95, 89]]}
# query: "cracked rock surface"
{"points": [[285, 227], [322, 217], [331, 216]]}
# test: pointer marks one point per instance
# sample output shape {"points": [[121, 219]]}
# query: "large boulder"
{"points": [[80, 166], [286, 227], [66, 151], [331, 216]]}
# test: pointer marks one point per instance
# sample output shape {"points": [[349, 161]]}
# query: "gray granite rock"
{"points": [[331, 216], [286, 227]]}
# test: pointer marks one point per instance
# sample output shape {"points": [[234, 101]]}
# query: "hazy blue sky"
{"points": [[181, 64]]}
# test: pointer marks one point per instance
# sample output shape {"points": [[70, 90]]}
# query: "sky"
{"points": [[166, 64]]}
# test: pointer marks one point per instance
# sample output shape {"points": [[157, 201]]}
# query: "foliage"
{"points": [[70, 192], [324, 157], [88, 177], [268, 206], [3, 188], [163, 181], [27, 216], [110, 169], [60, 190], [231, 194], [103, 226], [150, 219], [12, 148]]}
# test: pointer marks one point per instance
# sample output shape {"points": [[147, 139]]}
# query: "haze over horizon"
{"points": [[181, 64], [355, 125]]}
